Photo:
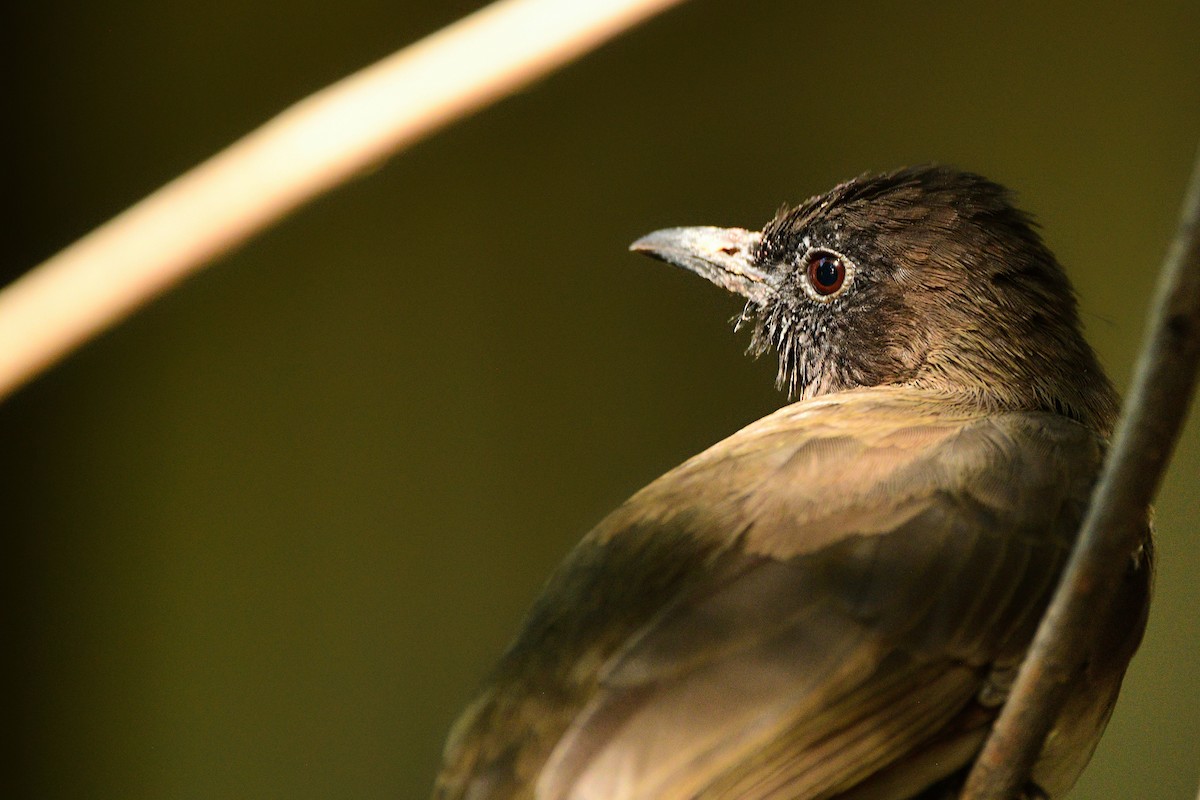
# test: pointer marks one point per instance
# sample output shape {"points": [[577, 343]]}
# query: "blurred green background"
{"points": [[263, 538]]}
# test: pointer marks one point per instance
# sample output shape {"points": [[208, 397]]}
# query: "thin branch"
{"points": [[308, 149], [1154, 414]]}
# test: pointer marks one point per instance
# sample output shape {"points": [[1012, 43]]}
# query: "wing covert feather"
{"points": [[786, 613]]}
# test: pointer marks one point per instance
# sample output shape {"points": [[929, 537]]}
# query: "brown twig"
{"points": [[1163, 384], [311, 147]]}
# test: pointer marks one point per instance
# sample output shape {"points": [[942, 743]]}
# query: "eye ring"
{"points": [[826, 272]]}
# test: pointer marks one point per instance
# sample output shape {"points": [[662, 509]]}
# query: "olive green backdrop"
{"points": [[262, 539]]}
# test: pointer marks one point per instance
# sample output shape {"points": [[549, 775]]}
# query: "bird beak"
{"points": [[723, 255]]}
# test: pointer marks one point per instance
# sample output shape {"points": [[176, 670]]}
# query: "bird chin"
{"points": [[772, 329]]}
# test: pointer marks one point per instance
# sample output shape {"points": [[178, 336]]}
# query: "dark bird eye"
{"points": [[826, 273]]}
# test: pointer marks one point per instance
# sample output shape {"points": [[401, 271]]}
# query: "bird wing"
{"points": [[788, 614]]}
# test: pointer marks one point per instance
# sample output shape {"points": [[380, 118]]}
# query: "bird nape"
{"points": [[832, 602]]}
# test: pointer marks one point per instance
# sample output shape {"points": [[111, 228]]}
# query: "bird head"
{"points": [[927, 276]]}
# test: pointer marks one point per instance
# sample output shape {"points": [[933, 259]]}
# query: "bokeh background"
{"points": [[262, 539]]}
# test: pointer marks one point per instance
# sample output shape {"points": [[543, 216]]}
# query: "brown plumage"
{"points": [[830, 602]]}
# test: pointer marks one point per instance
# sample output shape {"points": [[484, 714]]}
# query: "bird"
{"points": [[833, 601]]}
